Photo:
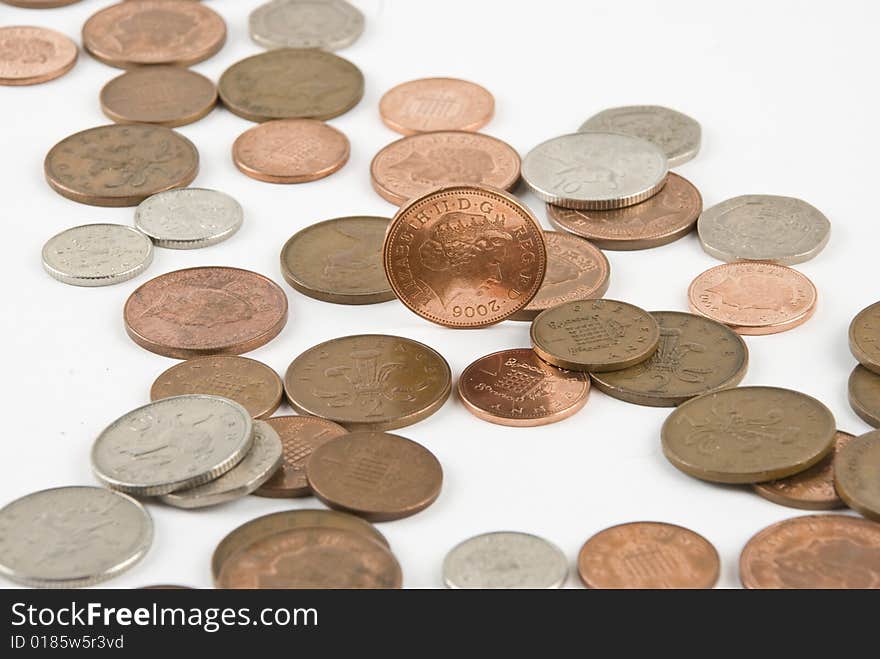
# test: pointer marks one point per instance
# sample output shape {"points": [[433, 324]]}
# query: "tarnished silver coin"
{"points": [[188, 218], [68, 537], [97, 254], [595, 170], [675, 133], [763, 228], [172, 444], [327, 24], [505, 559]]}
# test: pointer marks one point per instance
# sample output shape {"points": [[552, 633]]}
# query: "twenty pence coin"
{"points": [[857, 474], [431, 104], [33, 55], [864, 337], [864, 395], [505, 559]]}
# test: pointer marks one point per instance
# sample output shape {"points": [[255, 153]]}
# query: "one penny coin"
{"points": [[648, 555], [120, 165], [378, 476], [518, 388], [430, 104], [864, 337], [857, 474], [864, 395], [205, 311], [414, 165], [290, 151], [465, 256], [753, 297], [813, 551], [748, 435], [32, 55]]}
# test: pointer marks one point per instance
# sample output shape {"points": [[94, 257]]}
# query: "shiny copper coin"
{"points": [[290, 151], [430, 104], [39, 4], [814, 551], [250, 383], [417, 164], [375, 475], [864, 395], [518, 388], [648, 555], [32, 55], [138, 32], [864, 337], [753, 297], [465, 256], [857, 474], [205, 311]]}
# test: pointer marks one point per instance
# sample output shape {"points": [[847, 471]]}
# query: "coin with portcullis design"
{"points": [[431, 104], [33, 55]]}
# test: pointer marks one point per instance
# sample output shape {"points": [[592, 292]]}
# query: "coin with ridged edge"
{"points": [[326, 24], [857, 474], [189, 218], [97, 254], [864, 395], [505, 559]]}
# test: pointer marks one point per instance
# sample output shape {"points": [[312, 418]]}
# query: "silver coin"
{"points": [[677, 135], [327, 24], [97, 254], [68, 537], [172, 444], [188, 218], [258, 466], [505, 559], [595, 171], [763, 228]]}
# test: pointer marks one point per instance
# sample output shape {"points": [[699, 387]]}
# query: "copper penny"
{"points": [[812, 489], [165, 95], [518, 388], [813, 551], [137, 32], [669, 215], [290, 151], [120, 165], [753, 297], [465, 256], [377, 476], [250, 383], [648, 555], [414, 165], [205, 311], [864, 395], [864, 337], [857, 474], [430, 104], [300, 435], [31, 55]]}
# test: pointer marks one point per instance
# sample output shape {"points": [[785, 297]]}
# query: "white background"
{"points": [[786, 94]]}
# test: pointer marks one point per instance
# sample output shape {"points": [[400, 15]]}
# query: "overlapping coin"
{"points": [[34, 55]]}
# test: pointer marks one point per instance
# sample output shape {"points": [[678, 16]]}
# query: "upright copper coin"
{"points": [[210, 310], [290, 151], [857, 474], [648, 555], [251, 384], [517, 388], [814, 551], [752, 297], [465, 256], [138, 32], [120, 165], [417, 164], [864, 337], [430, 104], [369, 381], [291, 83], [300, 436], [31, 55], [669, 215], [378, 476], [864, 395]]}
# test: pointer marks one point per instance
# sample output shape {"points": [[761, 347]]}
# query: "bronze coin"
{"points": [[209, 310], [291, 83], [864, 395], [696, 356], [377, 476], [120, 165], [431, 104], [518, 388], [748, 434], [32, 55], [250, 383], [290, 151], [339, 261], [164, 95], [417, 164], [864, 337], [813, 551], [137, 32], [300, 435], [812, 489], [669, 215], [39, 4], [465, 256], [857, 474], [648, 555], [595, 335], [369, 381]]}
